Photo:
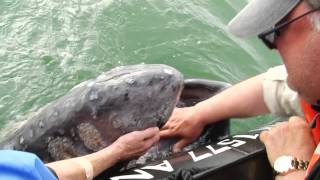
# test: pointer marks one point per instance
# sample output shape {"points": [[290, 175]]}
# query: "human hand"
{"points": [[182, 123], [289, 138], [135, 143]]}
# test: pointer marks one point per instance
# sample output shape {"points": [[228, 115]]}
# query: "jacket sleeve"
{"points": [[19, 165]]}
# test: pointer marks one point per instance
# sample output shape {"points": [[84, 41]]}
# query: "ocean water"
{"points": [[49, 46]]}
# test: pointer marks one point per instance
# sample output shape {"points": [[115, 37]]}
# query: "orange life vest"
{"points": [[310, 115]]}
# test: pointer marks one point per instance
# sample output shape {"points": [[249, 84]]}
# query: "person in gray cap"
{"points": [[292, 27]]}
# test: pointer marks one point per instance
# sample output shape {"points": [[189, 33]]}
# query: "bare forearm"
{"points": [[241, 100], [124, 148], [71, 169]]}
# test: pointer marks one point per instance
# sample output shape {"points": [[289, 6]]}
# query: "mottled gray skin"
{"points": [[96, 112]]}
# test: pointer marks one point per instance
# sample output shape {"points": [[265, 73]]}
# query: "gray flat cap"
{"points": [[259, 16]]}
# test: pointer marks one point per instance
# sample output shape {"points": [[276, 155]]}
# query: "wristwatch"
{"points": [[284, 164]]}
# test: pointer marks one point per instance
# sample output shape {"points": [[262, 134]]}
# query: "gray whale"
{"points": [[96, 112]]}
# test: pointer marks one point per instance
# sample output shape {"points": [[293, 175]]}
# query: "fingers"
{"points": [[166, 133], [281, 127], [172, 118], [149, 133], [151, 141], [165, 126], [180, 144], [296, 119], [151, 136], [168, 124], [264, 136], [298, 122]]}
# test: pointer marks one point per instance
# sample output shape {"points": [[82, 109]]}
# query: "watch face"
{"points": [[283, 164]]}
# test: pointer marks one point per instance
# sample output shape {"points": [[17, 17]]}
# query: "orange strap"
{"points": [[310, 114]]}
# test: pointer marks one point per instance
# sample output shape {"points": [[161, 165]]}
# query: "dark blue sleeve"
{"points": [[17, 165]]}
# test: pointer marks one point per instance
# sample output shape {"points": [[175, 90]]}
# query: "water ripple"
{"points": [[48, 46]]}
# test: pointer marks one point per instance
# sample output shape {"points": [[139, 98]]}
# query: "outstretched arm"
{"points": [[126, 147], [242, 100]]}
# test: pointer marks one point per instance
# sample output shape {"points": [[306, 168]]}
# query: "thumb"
{"points": [[180, 144]]}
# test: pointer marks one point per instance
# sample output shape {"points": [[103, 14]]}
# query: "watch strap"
{"points": [[299, 164]]}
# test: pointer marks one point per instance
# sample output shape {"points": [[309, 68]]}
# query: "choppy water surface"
{"points": [[48, 46]]}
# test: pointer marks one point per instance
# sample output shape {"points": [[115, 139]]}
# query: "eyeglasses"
{"points": [[268, 37]]}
